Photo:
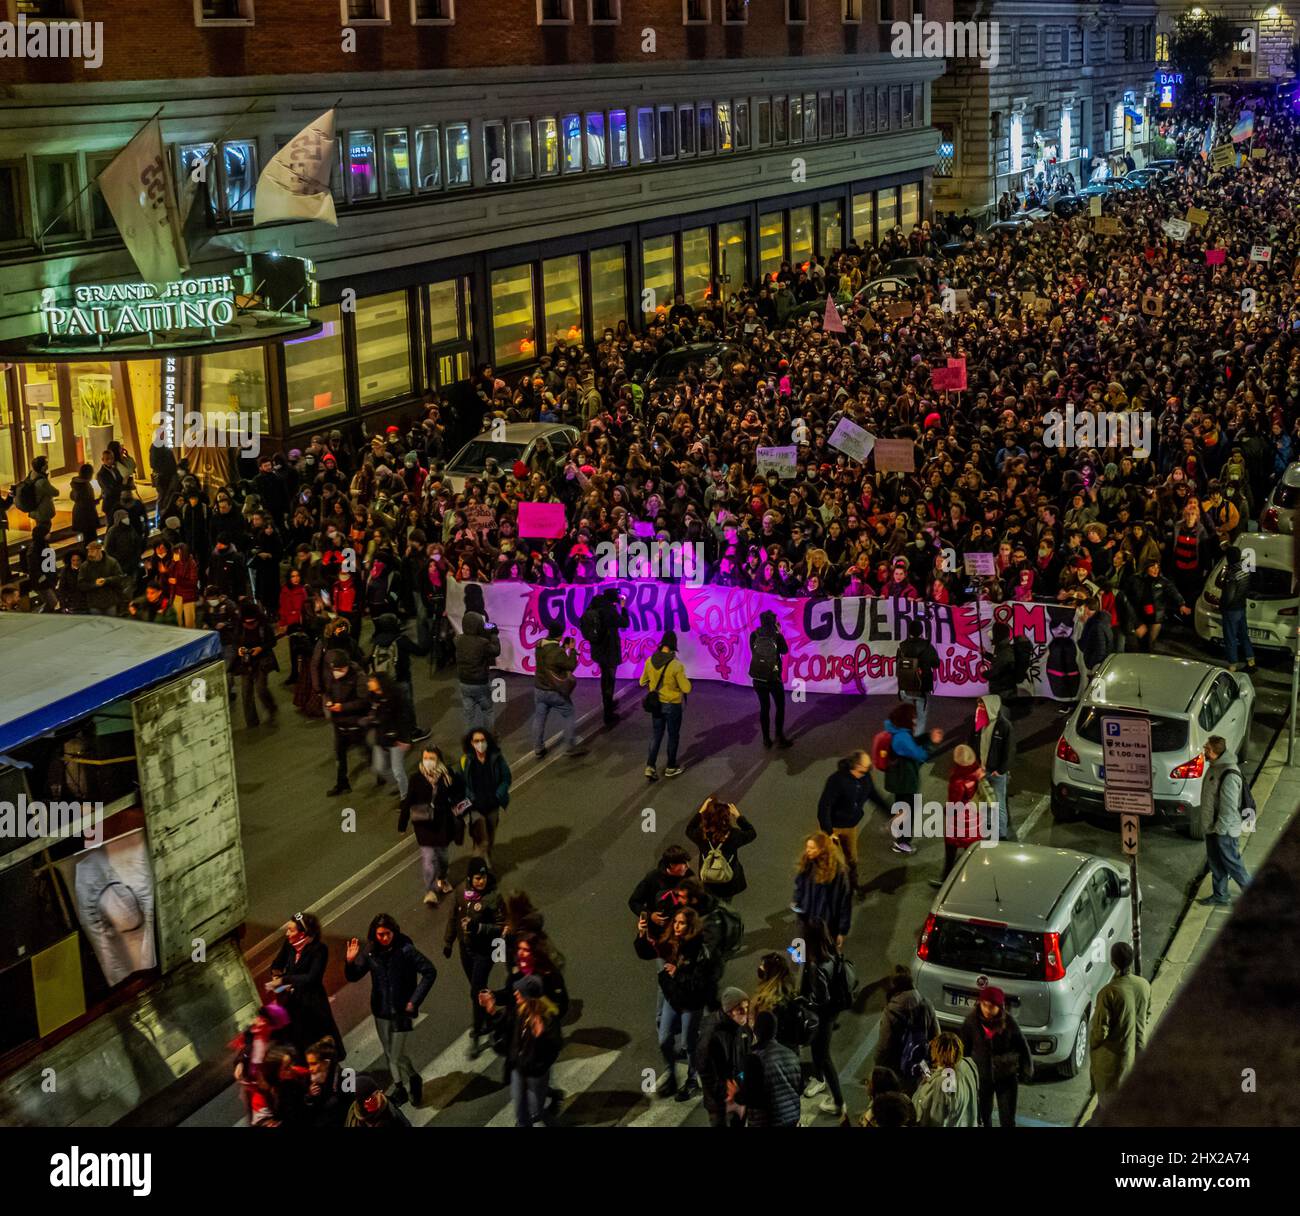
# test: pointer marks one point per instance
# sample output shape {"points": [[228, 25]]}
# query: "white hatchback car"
{"points": [[515, 441], [1272, 606], [1186, 702], [1283, 503]]}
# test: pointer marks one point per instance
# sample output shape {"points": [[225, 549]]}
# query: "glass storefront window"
{"points": [[618, 139], [521, 150], [397, 162], [763, 122], [548, 148], [686, 130], [571, 129], [239, 168], [801, 234], [8, 412], [608, 288], [94, 406], [697, 264], [313, 371], [796, 120], [705, 114], [363, 171], [234, 381], [444, 312], [41, 399], [733, 254], [657, 275], [596, 140], [779, 129], [495, 169], [809, 118], [645, 135], [383, 347], [725, 139], [514, 326], [742, 125], [428, 158], [667, 132], [864, 219], [771, 242], [886, 210], [562, 300], [458, 171], [830, 228], [911, 209]]}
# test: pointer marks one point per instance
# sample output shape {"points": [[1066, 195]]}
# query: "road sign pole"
{"points": [[1137, 913]]}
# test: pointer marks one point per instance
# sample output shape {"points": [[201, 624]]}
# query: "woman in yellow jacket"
{"points": [[665, 677]]}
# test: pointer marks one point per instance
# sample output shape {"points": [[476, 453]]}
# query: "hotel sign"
{"points": [[140, 308]]}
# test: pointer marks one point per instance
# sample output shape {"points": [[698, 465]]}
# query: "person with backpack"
{"points": [[817, 984], [766, 648], [555, 660], [994, 746], [35, 496], [725, 1041], [487, 779], [915, 665], [477, 646], [390, 655], [821, 887], [1235, 591], [839, 809], [997, 1048], [903, 775], [343, 697], [907, 1025], [1227, 805], [665, 677], [433, 798], [601, 625], [720, 831], [723, 929], [1063, 668]]}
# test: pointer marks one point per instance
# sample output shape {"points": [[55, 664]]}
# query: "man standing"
{"points": [[254, 661], [1119, 1023], [1097, 639], [725, 1041], [602, 626], [1232, 608], [991, 738], [344, 698], [111, 482], [477, 645], [839, 810], [100, 582], [1220, 810], [916, 664], [768, 1093], [553, 688]]}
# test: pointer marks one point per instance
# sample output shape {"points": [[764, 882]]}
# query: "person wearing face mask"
{"points": [[487, 787], [431, 804], [344, 701], [474, 924], [298, 983]]}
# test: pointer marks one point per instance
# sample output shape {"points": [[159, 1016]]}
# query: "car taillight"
{"points": [[923, 946], [1268, 521], [1195, 767], [1212, 597], [1294, 610], [1052, 969], [1065, 752]]}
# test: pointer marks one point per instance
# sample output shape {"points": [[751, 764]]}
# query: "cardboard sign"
{"points": [[895, 456], [1195, 215], [1176, 230], [897, 310], [542, 520], [979, 565], [1215, 257], [1261, 253], [1042, 306], [781, 461], [1223, 156], [851, 439], [1153, 306], [1108, 225], [1094, 205], [1258, 153], [480, 518]]}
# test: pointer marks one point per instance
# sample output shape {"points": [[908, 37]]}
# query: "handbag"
{"points": [[652, 704]]}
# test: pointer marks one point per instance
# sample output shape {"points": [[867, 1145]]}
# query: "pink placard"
{"points": [[542, 520], [957, 373], [1215, 257], [941, 379]]}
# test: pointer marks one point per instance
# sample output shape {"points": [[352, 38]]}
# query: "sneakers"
{"points": [[652, 772], [1250, 664], [673, 772], [431, 898], [689, 1090], [344, 788], [1211, 901], [828, 1106], [901, 846], [399, 1096], [814, 1087], [421, 734], [669, 1088], [444, 886]]}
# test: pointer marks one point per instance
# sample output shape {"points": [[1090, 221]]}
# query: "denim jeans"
{"points": [[544, 702], [529, 1095], [668, 719], [922, 705], [1224, 856], [476, 703], [673, 1022], [1236, 638], [390, 762], [433, 864], [999, 784]]}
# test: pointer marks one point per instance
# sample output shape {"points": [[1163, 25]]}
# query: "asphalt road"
{"points": [[575, 838]]}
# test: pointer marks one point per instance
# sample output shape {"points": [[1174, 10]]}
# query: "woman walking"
{"points": [[487, 787], [298, 983], [430, 804], [817, 986], [821, 888], [474, 924], [530, 1028], [997, 1048], [665, 677]]}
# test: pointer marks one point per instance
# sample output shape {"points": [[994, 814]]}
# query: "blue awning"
{"points": [[57, 669]]}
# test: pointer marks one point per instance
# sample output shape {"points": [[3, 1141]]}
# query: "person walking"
{"points": [[767, 1092], [391, 722], [949, 1096], [100, 581], [81, 489], [400, 979], [665, 677], [390, 654], [298, 983], [907, 1026], [433, 805], [840, 807], [530, 1029], [555, 662], [962, 825], [817, 987], [343, 697], [766, 648], [254, 661], [720, 831], [477, 646], [821, 887], [487, 779], [997, 1048], [1235, 584], [371, 1107], [725, 1041], [474, 923], [1222, 798], [907, 753], [1119, 1023], [602, 625], [994, 745], [915, 666]]}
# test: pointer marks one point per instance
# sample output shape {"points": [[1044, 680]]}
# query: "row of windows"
{"points": [[1031, 46]]}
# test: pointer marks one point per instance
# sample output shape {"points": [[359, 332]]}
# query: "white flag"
{"points": [[140, 194], [295, 185]]}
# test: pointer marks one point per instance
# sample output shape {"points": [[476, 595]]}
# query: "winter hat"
{"points": [[367, 1087], [476, 866], [530, 986], [964, 757], [731, 998], [994, 996], [337, 658]]}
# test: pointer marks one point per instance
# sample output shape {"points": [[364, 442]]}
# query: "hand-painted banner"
{"points": [[845, 645]]}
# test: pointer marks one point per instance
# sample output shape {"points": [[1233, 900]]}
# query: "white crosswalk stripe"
{"points": [[575, 1072], [447, 1077]]}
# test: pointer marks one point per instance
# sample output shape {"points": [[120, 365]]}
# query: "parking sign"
{"points": [[1126, 752]]}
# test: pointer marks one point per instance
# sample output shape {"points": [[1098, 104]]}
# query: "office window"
{"points": [[554, 12], [841, 119], [741, 117], [363, 169], [514, 333], [763, 122], [101, 219], [801, 234], [946, 156], [896, 107], [596, 140], [863, 219], [383, 348], [220, 12], [548, 148], [313, 371], [696, 12], [188, 158], [55, 178], [810, 118], [657, 274], [397, 162], [458, 170], [726, 136], [796, 12], [428, 158], [608, 273], [433, 12], [780, 128], [562, 300], [857, 114], [239, 173], [830, 228], [796, 120], [869, 110], [521, 149], [1028, 51], [667, 132], [571, 131], [910, 212], [697, 264], [826, 115], [882, 108], [705, 114], [445, 312], [851, 11], [907, 107], [686, 130], [618, 139], [645, 135], [494, 153], [735, 12], [771, 242], [733, 254], [365, 12], [604, 12], [886, 211]]}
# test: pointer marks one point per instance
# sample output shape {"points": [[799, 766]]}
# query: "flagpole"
{"points": [[40, 240]]}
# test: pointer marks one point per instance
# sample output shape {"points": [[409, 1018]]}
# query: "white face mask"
{"points": [[480, 746], [339, 674], [429, 768]]}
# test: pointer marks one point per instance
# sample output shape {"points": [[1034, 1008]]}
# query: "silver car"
{"points": [[1037, 922], [1272, 606], [1283, 503], [1186, 702], [515, 441]]}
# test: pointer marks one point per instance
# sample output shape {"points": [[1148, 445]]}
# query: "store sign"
{"points": [[140, 308]]}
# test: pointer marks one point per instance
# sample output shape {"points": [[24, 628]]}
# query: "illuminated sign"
{"points": [[1166, 97], [141, 308], [1170, 78]]}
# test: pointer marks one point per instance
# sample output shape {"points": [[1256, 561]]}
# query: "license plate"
{"points": [[1258, 635], [960, 1000], [1101, 771]]}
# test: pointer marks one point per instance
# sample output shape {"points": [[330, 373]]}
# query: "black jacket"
{"points": [[843, 797], [928, 657], [613, 618], [390, 716], [428, 809], [1236, 589], [720, 1057], [693, 983], [350, 694], [307, 1002], [648, 895], [742, 833], [1097, 640], [1002, 1060], [1002, 747], [399, 976], [476, 647]]}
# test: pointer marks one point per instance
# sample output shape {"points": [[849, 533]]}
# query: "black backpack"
{"points": [[916, 1043], [1022, 655], [25, 495], [911, 678], [764, 659], [591, 624], [730, 930]]}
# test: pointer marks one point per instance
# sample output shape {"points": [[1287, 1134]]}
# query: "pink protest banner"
{"points": [[847, 645], [957, 373], [942, 379], [542, 520], [1215, 257], [831, 323]]}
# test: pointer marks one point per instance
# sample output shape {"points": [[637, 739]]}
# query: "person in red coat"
{"points": [[183, 585], [291, 621], [961, 827]]}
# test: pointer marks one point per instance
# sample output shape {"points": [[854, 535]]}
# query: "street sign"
{"points": [[1126, 770], [1129, 833]]}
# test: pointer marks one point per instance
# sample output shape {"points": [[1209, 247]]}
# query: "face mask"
{"points": [[339, 673], [480, 746]]}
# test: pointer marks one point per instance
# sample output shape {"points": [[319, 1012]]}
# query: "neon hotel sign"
{"points": [[140, 308]]}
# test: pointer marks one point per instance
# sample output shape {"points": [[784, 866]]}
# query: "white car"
{"points": [[1283, 503], [1186, 702], [1272, 606], [515, 441]]}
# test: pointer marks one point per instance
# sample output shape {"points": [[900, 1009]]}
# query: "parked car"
{"points": [[1016, 224], [516, 441], [712, 358], [1037, 922], [889, 287], [1283, 503], [1186, 702], [913, 270], [1272, 605]]}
